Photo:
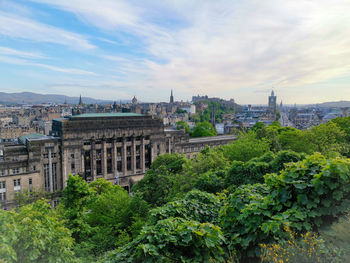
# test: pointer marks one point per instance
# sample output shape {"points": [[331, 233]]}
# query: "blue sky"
{"points": [[113, 49]]}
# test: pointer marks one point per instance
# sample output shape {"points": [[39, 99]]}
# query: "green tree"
{"points": [[34, 233], [203, 129], [183, 125], [246, 147], [329, 139]]}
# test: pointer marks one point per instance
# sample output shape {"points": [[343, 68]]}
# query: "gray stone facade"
{"points": [[118, 147]]}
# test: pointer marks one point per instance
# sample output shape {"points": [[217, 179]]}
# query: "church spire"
{"points": [[80, 101], [171, 97]]}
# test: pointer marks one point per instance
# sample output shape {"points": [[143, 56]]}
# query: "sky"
{"points": [[117, 49]]}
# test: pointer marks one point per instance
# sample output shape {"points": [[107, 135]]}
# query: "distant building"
{"points": [[272, 103], [171, 97]]}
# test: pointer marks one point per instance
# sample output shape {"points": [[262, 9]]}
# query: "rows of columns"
{"points": [[114, 157]]}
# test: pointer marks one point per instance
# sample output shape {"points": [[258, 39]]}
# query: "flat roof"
{"points": [[33, 137], [212, 138], [109, 114]]}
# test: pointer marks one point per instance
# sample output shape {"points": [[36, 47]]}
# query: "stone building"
{"points": [[105, 145], [118, 147]]}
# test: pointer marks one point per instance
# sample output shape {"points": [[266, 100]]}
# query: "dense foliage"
{"points": [[219, 206], [34, 233]]}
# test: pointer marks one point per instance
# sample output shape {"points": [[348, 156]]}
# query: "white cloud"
{"points": [[224, 47], [28, 29], [23, 62], [18, 53]]}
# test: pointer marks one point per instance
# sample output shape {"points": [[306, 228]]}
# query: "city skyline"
{"points": [[114, 50]]}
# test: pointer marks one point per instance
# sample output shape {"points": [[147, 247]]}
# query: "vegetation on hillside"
{"points": [[272, 193]]}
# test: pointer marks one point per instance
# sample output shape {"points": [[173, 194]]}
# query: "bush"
{"points": [[305, 195], [298, 248]]}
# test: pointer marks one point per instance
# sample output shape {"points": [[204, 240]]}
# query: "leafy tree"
{"points": [[246, 147], [296, 140], [35, 233], [75, 198], [203, 129], [329, 139], [196, 205], [205, 161], [173, 163], [303, 195], [180, 231], [115, 218], [210, 182], [173, 240], [183, 125]]}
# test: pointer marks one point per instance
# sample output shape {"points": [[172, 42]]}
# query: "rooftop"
{"points": [[33, 137], [109, 114]]}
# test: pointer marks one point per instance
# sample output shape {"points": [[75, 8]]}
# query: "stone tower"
{"points": [[171, 97], [272, 103]]}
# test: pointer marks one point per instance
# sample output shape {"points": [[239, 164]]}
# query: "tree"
{"points": [[329, 139], [246, 147], [115, 218], [173, 163], [35, 233], [203, 129], [183, 125]]}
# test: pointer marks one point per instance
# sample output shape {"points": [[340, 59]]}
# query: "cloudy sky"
{"points": [[114, 49]]}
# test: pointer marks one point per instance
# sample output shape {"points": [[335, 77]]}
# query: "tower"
{"points": [[171, 97], [80, 101], [272, 103]]}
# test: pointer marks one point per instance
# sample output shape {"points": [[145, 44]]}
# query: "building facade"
{"points": [[118, 147]]}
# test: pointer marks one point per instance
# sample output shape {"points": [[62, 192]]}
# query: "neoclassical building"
{"points": [[118, 147]]}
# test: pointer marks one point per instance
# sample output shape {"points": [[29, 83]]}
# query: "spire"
{"points": [[80, 101], [171, 97], [272, 93]]}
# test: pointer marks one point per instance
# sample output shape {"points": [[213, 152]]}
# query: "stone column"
{"points": [[104, 159], [64, 167], [124, 156], [82, 167], [169, 145], [133, 155], [93, 160], [114, 157], [142, 154], [50, 171]]}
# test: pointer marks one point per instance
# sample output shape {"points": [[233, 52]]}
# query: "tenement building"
{"points": [[118, 147]]}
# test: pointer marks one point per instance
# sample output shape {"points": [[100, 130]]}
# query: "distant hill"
{"points": [[335, 104], [35, 98]]}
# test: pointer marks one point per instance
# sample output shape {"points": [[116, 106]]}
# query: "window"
{"points": [[34, 167], [128, 150], [72, 155], [15, 170], [2, 191], [2, 196], [2, 172], [30, 181], [98, 162], [109, 160], [72, 167], [119, 151], [46, 155], [138, 162], [53, 155], [128, 163], [46, 177], [17, 185], [137, 149]]}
